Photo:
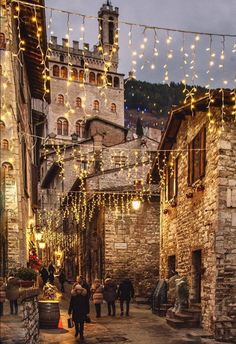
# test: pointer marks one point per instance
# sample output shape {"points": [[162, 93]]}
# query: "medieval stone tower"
{"points": [[85, 83]]}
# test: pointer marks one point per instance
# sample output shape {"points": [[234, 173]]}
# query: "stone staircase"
{"points": [[162, 310], [189, 318]]}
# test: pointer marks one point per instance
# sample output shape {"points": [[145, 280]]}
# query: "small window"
{"points": [[0, 70], [109, 80], [197, 157], [74, 74], [172, 180], [111, 30], [100, 79], [113, 107], [62, 127], [56, 71], [92, 78], [60, 99], [79, 128], [116, 82], [96, 105], [2, 125], [2, 41], [64, 72], [5, 144], [171, 266], [81, 76], [78, 102], [7, 166], [61, 58]]}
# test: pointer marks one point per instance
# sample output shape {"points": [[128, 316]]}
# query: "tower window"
{"points": [[62, 126], [2, 125], [92, 78], [2, 41], [109, 80], [113, 107], [79, 128], [111, 30], [96, 105], [100, 79], [60, 99], [74, 74], [5, 144], [116, 82], [56, 71], [81, 76], [61, 58], [7, 166], [78, 102], [64, 72]]}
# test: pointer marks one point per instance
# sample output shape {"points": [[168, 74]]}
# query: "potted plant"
{"points": [[27, 277], [48, 304]]}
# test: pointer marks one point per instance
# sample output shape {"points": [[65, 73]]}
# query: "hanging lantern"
{"points": [[42, 245], [38, 236]]}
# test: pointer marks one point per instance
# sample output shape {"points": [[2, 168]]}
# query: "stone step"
{"points": [[177, 323]]}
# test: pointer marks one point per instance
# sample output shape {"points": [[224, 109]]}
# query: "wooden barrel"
{"points": [[49, 314]]}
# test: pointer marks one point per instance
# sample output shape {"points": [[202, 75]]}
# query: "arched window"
{"points": [[60, 99], [7, 166], [96, 105], [111, 30], [79, 128], [100, 79], [81, 76], [74, 74], [2, 125], [62, 126], [56, 71], [5, 144], [116, 82], [64, 72], [2, 41], [78, 102], [92, 78], [109, 80], [113, 107]]}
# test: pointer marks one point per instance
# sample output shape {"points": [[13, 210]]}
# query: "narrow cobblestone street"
{"points": [[141, 327]]}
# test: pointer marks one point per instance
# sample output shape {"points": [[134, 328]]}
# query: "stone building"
{"points": [[88, 151], [198, 207], [22, 113]]}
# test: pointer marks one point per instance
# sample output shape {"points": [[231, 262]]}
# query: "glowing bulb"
{"points": [[197, 38], [136, 204], [152, 66]]}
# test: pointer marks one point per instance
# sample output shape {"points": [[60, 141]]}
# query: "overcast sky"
{"points": [[216, 16]]}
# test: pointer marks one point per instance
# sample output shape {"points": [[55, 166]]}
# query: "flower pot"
{"points": [[49, 314], [26, 284]]}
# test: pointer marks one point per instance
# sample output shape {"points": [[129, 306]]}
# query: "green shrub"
{"points": [[26, 274]]}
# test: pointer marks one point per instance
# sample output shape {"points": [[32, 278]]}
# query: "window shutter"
{"points": [[176, 177], [203, 151], [190, 163]]}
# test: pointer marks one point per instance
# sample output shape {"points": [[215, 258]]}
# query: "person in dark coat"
{"points": [[44, 275], [125, 293], [62, 279], [110, 294], [78, 308], [81, 281]]}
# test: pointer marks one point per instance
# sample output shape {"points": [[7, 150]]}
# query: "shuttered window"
{"points": [[197, 157]]}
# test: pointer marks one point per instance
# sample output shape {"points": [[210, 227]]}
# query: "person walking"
{"points": [[62, 279], [44, 274], [125, 293], [110, 294], [2, 295], [97, 296], [12, 293], [78, 309], [82, 281]]}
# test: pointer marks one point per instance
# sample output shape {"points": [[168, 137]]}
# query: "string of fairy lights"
{"points": [[151, 47]]}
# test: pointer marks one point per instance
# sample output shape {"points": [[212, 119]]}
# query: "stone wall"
{"points": [[132, 246], [204, 222]]}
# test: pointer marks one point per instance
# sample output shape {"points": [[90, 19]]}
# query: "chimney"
{"points": [[86, 46], [76, 45], [65, 42], [54, 40]]}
